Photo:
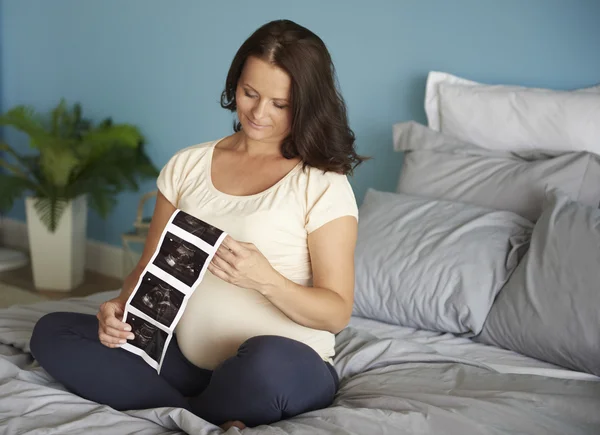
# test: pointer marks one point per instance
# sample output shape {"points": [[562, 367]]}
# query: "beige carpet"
{"points": [[10, 295]]}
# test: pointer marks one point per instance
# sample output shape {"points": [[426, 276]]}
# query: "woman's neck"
{"points": [[254, 148]]}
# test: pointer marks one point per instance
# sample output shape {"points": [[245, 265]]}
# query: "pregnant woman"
{"points": [[256, 340]]}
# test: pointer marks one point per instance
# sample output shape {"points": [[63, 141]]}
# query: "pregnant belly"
{"points": [[219, 317]]}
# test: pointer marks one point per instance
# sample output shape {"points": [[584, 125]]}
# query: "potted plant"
{"points": [[75, 164]]}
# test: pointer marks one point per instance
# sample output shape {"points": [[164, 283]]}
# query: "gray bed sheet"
{"points": [[390, 384]]}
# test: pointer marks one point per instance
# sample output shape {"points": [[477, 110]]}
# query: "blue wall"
{"points": [[162, 64]]}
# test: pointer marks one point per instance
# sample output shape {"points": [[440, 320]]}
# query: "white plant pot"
{"points": [[58, 258]]}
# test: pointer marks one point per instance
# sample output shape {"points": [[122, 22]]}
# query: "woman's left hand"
{"points": [[243, 265]]}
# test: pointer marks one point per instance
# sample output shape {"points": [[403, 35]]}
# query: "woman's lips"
{"points": [[255, 125]]}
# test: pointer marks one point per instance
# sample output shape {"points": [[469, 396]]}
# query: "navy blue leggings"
{"points": [[270, 379]]}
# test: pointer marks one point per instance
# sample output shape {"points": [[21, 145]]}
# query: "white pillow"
{"points": [[514, 118], [432, 96]]}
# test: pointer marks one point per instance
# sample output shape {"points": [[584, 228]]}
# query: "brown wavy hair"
{"points": [[320, 134]]}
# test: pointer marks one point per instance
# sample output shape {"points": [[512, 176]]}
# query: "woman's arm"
{"points": [[160, 217], [327, 305]]}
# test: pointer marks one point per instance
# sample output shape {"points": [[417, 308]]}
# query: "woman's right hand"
{"points": [[111, 331]]}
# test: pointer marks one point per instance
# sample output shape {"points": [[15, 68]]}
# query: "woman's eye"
{"points": [[249, 95], [279, 107]]}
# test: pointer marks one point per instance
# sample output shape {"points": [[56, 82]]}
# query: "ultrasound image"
{"points": [[181, 259], [197, 227], [151, 339], [157, 299]]}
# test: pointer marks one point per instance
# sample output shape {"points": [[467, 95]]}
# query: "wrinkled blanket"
{"points": [[388, 386]]}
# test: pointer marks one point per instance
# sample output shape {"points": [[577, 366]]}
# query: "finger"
{"points": [[218, 272], [105, 338], [117, 333], [213, 266], [104, 313], [111, 345], [232, 244], [113, 322], [226, 255], [222, 265]]}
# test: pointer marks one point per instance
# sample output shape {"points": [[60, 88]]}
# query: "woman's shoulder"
{"points": [[193, 152], [183, 164], [189, 159], [327, 185], [329, 195], [316, 178]]}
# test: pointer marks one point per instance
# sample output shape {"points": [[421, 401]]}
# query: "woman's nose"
{"points": [[259, 110]]}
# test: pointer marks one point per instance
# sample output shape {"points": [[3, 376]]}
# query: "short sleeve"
{"points": [[329, 196], [170, 178]]}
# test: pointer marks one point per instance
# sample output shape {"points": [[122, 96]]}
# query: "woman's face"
{"points": [[263, 101]]}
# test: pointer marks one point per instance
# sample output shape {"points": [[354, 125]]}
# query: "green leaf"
{"points": [[11, 188], [16, 170], [58, 113], [50, 210], [32, 163], [58, 164], [25, 119], [23, 161], [144, 165], [102, 200], [121, 168], [4, 147], [104, 139]]}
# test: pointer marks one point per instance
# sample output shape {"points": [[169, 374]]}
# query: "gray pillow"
{"points": [[550, 307], [439, 166], [433, 264]]}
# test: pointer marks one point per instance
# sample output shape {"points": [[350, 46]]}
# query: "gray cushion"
{"points": [[550, 307], [439, 166], [433, 264]]}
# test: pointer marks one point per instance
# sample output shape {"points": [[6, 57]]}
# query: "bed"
{"points": [[478, 324], [394, 380]]}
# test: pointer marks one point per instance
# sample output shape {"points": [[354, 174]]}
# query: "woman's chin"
{"points": [[256, 134]]}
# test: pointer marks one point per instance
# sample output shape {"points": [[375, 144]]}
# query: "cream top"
{"points": [[219, 316]]}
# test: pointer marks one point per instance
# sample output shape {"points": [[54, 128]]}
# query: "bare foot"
{"points": [[236, 423]]}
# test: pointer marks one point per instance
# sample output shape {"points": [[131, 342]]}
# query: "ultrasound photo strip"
{"points": [[180, 260]]}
